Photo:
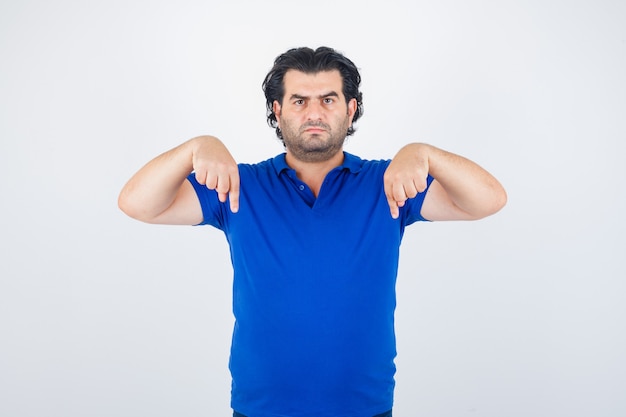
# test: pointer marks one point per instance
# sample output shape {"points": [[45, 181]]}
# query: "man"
{"points": [[314, 237]]}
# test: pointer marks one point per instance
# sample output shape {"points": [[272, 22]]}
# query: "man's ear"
{"points": [[276, 110], [352, 105]]}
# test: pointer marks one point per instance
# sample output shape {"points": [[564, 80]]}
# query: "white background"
{"points": [[521, 314]]}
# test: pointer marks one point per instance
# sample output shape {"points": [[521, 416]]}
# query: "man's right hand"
{"points": [[159, 192], [216, 168]]}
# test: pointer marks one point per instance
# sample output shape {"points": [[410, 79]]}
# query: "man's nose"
{"points": [[314, 110]]}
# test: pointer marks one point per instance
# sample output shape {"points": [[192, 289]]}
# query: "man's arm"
{"points": [[159, 192], [461, 189]]}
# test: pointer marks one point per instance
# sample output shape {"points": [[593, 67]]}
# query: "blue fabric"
{"points": [[387, 414], [314, 289]]}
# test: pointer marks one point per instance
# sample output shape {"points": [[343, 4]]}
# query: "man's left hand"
{"points": [[406, 176]]}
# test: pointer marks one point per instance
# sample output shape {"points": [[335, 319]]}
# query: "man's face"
{"points": [[314, 116]]}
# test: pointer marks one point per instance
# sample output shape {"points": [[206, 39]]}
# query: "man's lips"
{"points": [[315, 129]]}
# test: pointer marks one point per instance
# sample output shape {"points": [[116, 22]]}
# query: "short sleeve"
{"points": [[212, 208], [412, 211]]}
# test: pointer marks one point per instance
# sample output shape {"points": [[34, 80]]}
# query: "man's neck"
{"points": [[313, 173]]}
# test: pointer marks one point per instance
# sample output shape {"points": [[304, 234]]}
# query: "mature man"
{"points": [[314, 236]]}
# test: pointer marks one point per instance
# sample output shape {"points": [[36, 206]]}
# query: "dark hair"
{"points": [[311, 61]]}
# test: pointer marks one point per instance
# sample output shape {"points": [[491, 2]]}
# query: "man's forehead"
{"points": [[298, 80]]}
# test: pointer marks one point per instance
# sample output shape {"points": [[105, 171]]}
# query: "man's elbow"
{"points": [[496, 203], [501, 200], [132, 208], [125, 204]]}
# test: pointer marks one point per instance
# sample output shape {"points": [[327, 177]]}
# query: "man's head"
{"points": [[309, 61]]}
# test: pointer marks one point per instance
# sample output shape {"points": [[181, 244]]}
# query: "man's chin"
{"points": [[314, 154]]}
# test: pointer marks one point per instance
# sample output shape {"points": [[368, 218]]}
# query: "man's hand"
{"points": [[216, 168], [159, 193], [406, 176], [461, 189]]}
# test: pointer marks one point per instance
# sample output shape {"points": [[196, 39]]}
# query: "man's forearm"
{"points": [[154, 187], [470, 187]]}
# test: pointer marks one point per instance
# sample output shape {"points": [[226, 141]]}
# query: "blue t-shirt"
{"points": [[314, 289]]}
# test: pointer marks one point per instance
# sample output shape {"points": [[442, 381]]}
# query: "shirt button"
{"points": [[301, 187]]}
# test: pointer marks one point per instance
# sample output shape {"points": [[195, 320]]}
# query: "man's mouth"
{"points": [[315, 128]]}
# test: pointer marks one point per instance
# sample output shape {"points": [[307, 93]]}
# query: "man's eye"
{"points": [[298, 102], [329, 100]]}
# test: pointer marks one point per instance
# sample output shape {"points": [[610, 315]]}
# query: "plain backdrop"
{"points": [[521, 314]]}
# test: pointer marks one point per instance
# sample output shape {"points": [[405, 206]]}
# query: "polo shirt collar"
{"points": [[350, 162]]}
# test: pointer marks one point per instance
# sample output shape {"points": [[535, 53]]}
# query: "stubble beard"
{"points": [[314, 147]]}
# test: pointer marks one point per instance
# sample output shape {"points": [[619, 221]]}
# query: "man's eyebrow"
{"points": [[301, 97]]}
